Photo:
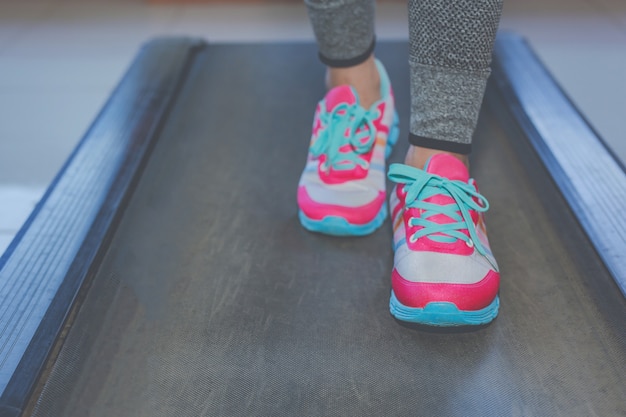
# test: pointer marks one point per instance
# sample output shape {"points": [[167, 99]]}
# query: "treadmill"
{"points": [[165, 272]]}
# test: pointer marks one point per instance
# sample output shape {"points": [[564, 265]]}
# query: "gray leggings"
{"points": [[450, 45]]}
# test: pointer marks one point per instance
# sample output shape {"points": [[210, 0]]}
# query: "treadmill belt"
{"points": [[212, 300]]}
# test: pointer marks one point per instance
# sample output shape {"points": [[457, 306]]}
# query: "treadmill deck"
{"points": [[213, 300]]}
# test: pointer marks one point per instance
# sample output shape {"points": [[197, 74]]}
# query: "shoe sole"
{"points": [[338, 226], [443, 314]]}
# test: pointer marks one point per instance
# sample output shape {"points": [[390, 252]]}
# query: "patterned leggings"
{"points": [[450, 46]]}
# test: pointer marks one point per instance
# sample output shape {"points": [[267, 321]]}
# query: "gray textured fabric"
{"points": [[344, 29], [445, 102], [450, 45], [449, 55], [455, 34]]}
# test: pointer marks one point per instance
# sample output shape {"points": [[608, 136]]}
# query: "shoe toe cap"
{"points": [[357, 206], [467, 281]]}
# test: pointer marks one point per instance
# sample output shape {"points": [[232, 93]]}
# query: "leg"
{"points": [[449, 56], [342, 188], [444, 272], [344, 30]]}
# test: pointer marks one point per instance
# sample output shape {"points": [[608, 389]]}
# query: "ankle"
{"points": [[364, 78], [417, 156]]}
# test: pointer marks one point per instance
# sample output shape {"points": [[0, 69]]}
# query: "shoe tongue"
{"points": [[447, 166], [339, 95]]}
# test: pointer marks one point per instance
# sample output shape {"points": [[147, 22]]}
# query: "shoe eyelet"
{"points": [[412, 239], [469, 243]]}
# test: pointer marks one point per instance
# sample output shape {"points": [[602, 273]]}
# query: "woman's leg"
{"points": [[342, 188], [444, 272], [450, 46], [344, 30]]}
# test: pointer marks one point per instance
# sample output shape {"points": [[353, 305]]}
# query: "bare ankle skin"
{"points": [[363, 77], [417, 156]]}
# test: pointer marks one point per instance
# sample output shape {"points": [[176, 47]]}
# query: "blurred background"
{"points": [[60, 59]]}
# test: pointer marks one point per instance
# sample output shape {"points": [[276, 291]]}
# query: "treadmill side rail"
{"points": [[60, 244]]}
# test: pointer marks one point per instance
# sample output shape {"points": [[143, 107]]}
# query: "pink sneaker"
{"points": [[342, 188], [444, 272]]}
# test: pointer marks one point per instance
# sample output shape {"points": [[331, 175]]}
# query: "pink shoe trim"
{"points": [[339, 95], [466, 297], [426, 244], [378, 123], [354, 215], [335, 176], [400, 205]]}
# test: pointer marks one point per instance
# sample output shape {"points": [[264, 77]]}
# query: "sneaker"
{"points": [[444, 272], [342, 189]]}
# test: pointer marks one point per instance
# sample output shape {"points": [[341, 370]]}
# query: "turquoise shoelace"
{"points": [[419, 185], [345, 117]]}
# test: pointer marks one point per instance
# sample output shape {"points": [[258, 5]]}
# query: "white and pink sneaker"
{"points": [[342, 189], [444, 272]]}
